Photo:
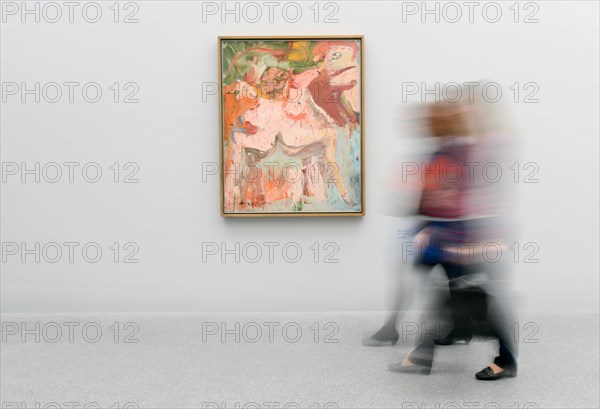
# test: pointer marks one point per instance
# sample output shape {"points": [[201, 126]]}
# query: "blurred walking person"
{"points": [[460, 213]]}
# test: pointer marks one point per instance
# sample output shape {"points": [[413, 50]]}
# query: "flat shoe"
{"points": [[381, 338], [488, 374]]}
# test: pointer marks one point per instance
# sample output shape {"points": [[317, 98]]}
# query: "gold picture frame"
{"points": [[357, 204]]}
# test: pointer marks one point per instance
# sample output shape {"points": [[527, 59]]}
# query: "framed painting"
{"points": [[291, 126]]}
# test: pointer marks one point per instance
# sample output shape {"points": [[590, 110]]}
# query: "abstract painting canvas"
{"points": [[291, 126]]}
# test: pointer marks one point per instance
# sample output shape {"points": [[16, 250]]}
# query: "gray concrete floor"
{"points": [[172, 366]]}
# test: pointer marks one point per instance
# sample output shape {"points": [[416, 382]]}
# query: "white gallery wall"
{"points": [[157, 127]]}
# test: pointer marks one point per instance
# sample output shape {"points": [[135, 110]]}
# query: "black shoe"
{"points": [[451, 339], [488, 374], [382, 337]]}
